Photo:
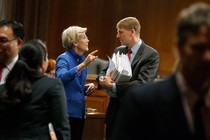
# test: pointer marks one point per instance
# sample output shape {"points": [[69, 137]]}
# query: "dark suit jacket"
{"points": [[30, 121], [144, 70], [153, 112]]}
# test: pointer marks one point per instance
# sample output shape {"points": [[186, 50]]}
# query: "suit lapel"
{"points": [[138, 55], [174, 111]]}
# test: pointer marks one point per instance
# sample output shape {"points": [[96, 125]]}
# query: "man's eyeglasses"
{"points": [[200, 47], [5, 40]]}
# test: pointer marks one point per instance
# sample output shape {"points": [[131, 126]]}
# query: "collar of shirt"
{"points": [[135, 48], [10, 65], [189, 98], [186, 93], [77, 57], [7, 69]]}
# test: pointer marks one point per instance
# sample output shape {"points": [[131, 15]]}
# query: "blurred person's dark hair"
{"points": [[190, 20], [17, 28]]}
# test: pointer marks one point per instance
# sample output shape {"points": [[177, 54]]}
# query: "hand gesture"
{"points": [[90, 88], [91, 57]]}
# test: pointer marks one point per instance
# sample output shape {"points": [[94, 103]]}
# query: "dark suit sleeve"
{"points": [[58, 113], [128, 121], [102, 73], [143, 72]]}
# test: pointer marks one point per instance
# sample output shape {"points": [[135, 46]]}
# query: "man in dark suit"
{"points": [[166, 110], [144, 64]]}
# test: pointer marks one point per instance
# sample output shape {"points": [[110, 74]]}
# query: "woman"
{"points": [[71, 68], [51, 68], [29, 100]]}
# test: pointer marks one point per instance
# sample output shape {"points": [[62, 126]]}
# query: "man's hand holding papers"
{"points": [[119, 70]]}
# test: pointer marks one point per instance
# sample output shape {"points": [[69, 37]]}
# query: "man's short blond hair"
{"points": [[71, 34], [129, 23]]}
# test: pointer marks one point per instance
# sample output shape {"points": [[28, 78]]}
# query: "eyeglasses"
{"points": [[5, 40], [200, 47]]}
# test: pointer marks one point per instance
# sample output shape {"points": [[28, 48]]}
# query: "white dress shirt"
{"points": [[7, 69]]}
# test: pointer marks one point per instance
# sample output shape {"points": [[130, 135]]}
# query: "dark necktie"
{"points": [[198, 123], [1, 70], [129, 54]]}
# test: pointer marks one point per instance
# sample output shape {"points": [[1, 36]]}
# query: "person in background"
{"points": [[177, 108], [11, 38], [144, 64], [29, 100], [71, 68], [50, 72], [51, 68]]}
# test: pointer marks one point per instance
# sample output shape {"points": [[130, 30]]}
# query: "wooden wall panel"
{"points": [[91, 14], [33, 14], [157, 17], [47, 19]]}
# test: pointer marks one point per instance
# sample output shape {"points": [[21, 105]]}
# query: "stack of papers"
{"points": [[119, 68]]}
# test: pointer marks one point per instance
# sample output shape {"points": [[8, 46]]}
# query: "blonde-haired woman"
{"points": [[71, 68]]}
